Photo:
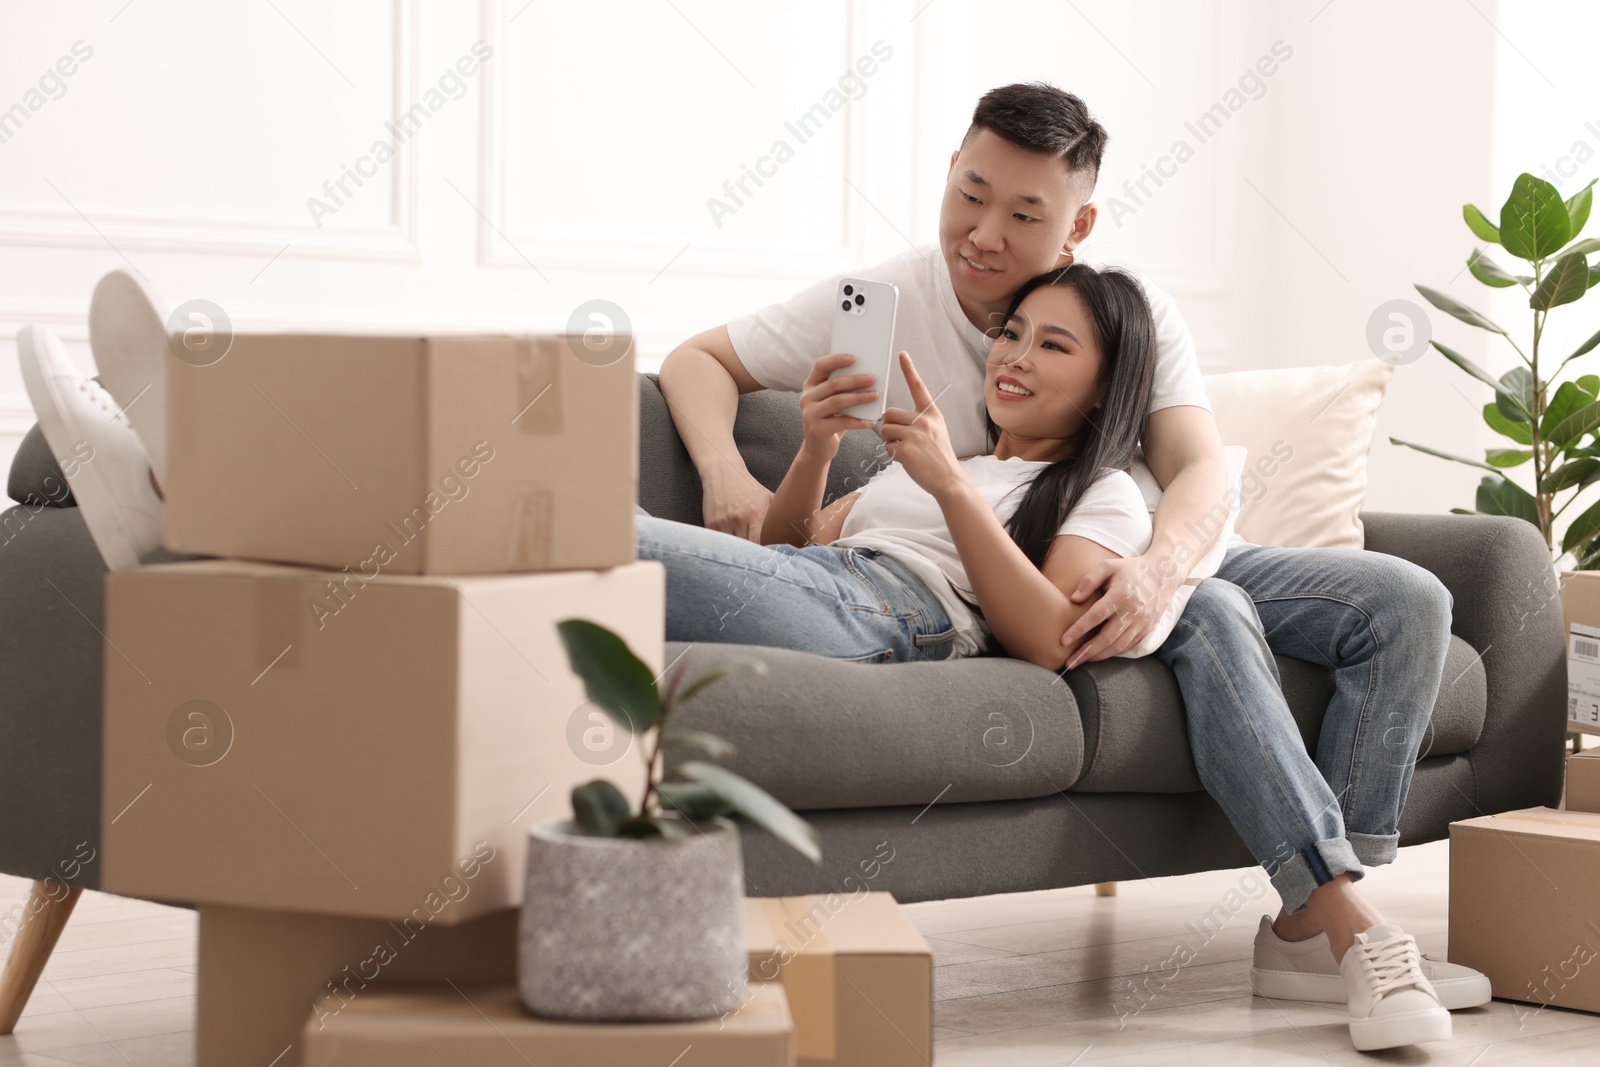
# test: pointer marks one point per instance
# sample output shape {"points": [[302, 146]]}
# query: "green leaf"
{"points": [[759, 806], [1503, 458], [1499, 496], [710, 744], [695, 800], [1584, 247], [1594, 275], [1582, 529], [1586, 347], [1489, 272], [1578, 205], [1534, 222], [1517, 382], [642, 826], [1441, 455], [1580, 472], [1479, 225], [614, 678], [1452, 306], [1569, 397], [1567, 281], [1486, 378], [1574, 426], [1464, 511], [599, 807], [1520, 432]]}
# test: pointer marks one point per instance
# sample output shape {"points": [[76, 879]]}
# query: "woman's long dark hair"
{"points": [[1125, 333]]}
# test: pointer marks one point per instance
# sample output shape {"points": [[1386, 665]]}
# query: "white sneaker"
{"points": [[102, 457], [1392, 1003], [129, 339], [1304, 970]]}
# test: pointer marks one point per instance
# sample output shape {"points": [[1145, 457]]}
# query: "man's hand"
{"points": [[1133, 596], [734, 502]]}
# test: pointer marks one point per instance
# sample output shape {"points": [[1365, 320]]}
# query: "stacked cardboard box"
{"points": [[332, 739], [1580, 607], [1583, 781], [836, 980], [486, 1026]]}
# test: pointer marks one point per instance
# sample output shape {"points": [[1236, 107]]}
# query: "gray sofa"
{"points": [[941, 779]]}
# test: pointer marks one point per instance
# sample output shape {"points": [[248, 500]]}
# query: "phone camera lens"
{"points": [[860, 300], [845, 305], [849, 289]]}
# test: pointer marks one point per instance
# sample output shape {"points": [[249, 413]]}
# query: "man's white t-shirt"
{"points": [[897, 517], [779, 343]]}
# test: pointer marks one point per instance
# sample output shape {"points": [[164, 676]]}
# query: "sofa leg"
{"points": [[1105, 889], [36, 936]]}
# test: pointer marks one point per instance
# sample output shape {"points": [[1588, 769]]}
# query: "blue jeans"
{"points": [[1383, 624], [845, 603]]}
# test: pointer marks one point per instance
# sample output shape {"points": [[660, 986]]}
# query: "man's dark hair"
{"points": [[1038, 117]]}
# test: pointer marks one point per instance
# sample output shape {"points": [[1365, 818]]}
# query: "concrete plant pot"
{"points": [[618, 929]]}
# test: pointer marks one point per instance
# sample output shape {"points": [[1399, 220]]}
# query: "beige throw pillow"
{"points": [[1308, 431]]}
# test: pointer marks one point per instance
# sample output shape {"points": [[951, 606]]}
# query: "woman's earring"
{"points": [[1070, 259]]}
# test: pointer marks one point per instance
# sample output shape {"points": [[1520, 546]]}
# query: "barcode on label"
{"points": [[1587, 649]]}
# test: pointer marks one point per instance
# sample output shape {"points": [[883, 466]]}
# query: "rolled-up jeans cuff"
{"points": [[1312, 866], [1374, 850]]}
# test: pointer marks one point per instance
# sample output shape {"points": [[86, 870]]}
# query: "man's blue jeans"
{"points": [[1383, 624]]}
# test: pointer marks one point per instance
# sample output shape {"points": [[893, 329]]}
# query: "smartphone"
{"points": [[863, 326]]}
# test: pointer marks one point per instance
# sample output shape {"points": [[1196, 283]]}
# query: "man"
{"points": [[1016, 203]]}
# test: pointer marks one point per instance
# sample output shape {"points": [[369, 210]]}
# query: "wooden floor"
{"points": [[1024, 981]]}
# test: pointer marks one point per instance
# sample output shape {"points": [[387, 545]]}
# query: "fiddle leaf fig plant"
{"points": [[1549, 425], [623, 687]]}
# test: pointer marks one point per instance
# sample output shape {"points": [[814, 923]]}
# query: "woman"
{"points": [[936, 554]]}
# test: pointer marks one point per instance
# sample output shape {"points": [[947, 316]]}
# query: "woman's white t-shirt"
{"points": [[897, 517]]}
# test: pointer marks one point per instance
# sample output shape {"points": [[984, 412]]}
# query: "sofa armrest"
{"points": [[1508, 608]]}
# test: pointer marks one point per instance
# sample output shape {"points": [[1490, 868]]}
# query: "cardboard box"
{"points": [[261, 972], [858, 975], [262, 750], [1522, 904], [413, 455], [1583, 781], [1580, 606], [487, 1026]]}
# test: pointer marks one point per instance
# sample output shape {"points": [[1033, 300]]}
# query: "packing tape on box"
{"points": [[807, 976], [539, 384], [533, 529], [282, 612]]}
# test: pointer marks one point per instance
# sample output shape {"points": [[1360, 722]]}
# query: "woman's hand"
{"points": [[822, 398], [919, 440]]}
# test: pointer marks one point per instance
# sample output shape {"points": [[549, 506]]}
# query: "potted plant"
{"points": [[1551, 432], [1549, 424], [633, 915]]}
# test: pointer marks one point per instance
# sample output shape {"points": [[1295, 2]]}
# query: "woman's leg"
{"points": [[841, 603], [1248, 749]]}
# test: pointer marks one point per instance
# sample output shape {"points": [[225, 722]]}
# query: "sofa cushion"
{"points": [[825, 733], [1135, 738], [766, 429], [36, 477]]}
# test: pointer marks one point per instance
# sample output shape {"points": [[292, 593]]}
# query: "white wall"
{"points": [[578, 161]]}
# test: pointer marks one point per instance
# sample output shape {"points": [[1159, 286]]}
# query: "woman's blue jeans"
{"points": [[845, 603], [1383, 625]]}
